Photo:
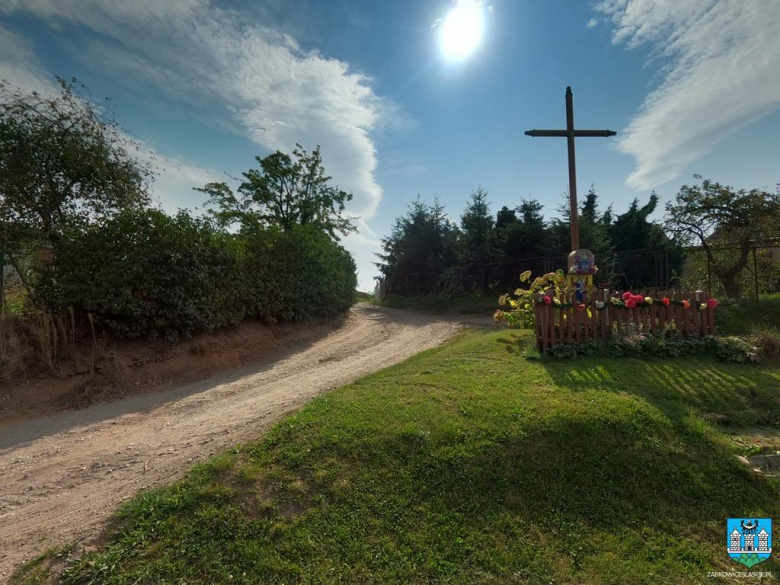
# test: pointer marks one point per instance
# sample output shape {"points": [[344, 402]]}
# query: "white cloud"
{"points": [[278, 93], [719, 64], [174, 178], [592, 23], [174, 182], [20, 67], [247, 77]]}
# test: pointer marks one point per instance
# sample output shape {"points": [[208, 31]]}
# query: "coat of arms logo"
{"points": [[749, 540]]}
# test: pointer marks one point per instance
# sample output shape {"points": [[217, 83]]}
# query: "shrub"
{"points": [[144, 273], [730, 349]]}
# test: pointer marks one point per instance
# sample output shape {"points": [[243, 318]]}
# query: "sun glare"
{"points": [[461, 31]]}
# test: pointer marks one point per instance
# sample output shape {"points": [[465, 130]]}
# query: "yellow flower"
{"points": [[649, 300]]}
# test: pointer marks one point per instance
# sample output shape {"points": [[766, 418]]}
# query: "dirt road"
{"points": [[62, 476]]}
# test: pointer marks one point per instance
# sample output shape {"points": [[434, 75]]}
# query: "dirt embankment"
{"points": [[64, 474], [102, 370]]}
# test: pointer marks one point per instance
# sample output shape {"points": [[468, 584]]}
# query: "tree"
{"points": [[527, 236], [63, 159], [478, 242], [285, 191], [593, 231], [421, 242], [712, 214]]}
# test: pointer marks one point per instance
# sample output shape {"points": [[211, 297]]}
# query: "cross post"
{"points": [[570, 134]]}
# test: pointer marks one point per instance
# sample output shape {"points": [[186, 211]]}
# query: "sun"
{"points": [[462, 30]]}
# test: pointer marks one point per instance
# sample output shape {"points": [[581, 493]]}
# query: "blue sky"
{"points": [[691, 86]]}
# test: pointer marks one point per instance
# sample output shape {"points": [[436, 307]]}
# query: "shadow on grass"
{"points": [[742, 395], [470, 464]]}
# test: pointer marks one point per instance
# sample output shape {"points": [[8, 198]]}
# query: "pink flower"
{"points": [[547, 300], [627, 295], [712, 303], [581, 306], [686, 304], [639, 299], [666, 301], [630, 303]]}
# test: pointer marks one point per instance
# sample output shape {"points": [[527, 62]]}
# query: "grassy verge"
{"points": [[471, 464], [749, 316], [363, 297], [485, 305]]}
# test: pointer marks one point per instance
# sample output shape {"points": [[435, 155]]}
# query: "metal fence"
{"points": [[688, 269]]}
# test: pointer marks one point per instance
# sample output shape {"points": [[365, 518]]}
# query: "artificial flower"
{"points": [[666, 301], [581, 306], [686, 304], [712, 303], [703, 306], [649, 300], [599, 304], [627, 295], [547, 300], [630, 303], [639, 299]]}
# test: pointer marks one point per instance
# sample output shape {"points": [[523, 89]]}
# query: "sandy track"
{"points": [[62, 476]]}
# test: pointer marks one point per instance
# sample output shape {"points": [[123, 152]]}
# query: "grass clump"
{"points": [[470, 464], [748, 316]]}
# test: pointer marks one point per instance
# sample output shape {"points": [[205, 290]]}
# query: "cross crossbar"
{"points": [[570, 134], [565, 133]]}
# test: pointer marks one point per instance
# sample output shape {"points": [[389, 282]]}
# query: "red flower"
{"points": [[581, 306], [639, 299], [630, 303], [627, 295], [712, 303], [666, 301], [547, 300]]}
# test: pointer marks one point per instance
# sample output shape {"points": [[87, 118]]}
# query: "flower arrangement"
{"points": [[630, 300]]}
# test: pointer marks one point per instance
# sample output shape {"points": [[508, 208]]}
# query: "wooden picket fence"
{"points": [[557, 324]]}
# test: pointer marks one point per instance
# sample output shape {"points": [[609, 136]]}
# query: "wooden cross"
{"points": [[570, 134]]}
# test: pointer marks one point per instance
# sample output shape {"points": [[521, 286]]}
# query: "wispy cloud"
{"points": [[19, 64], [719, 62], [246, 77], [277, 93]]}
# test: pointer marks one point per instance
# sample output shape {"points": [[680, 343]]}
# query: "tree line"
{"points": [[725, 223], [81, 233]]}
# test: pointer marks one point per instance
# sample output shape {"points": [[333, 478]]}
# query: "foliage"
{"points": [[522, 232], [63, 160], [287, 190], [477, 242], [695, 275], [426, 253], [712, 214], [467, 465], [422, 241], [729, 349], [144, 273], [455, 305], [521, 304]]}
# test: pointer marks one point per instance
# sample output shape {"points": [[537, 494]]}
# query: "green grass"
{"points": [[482, 305], [38, 570], [363, 297], [471, 464], [748, 316]]}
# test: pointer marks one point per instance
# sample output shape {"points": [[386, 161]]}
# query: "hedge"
{"points": [[145, 273]]}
